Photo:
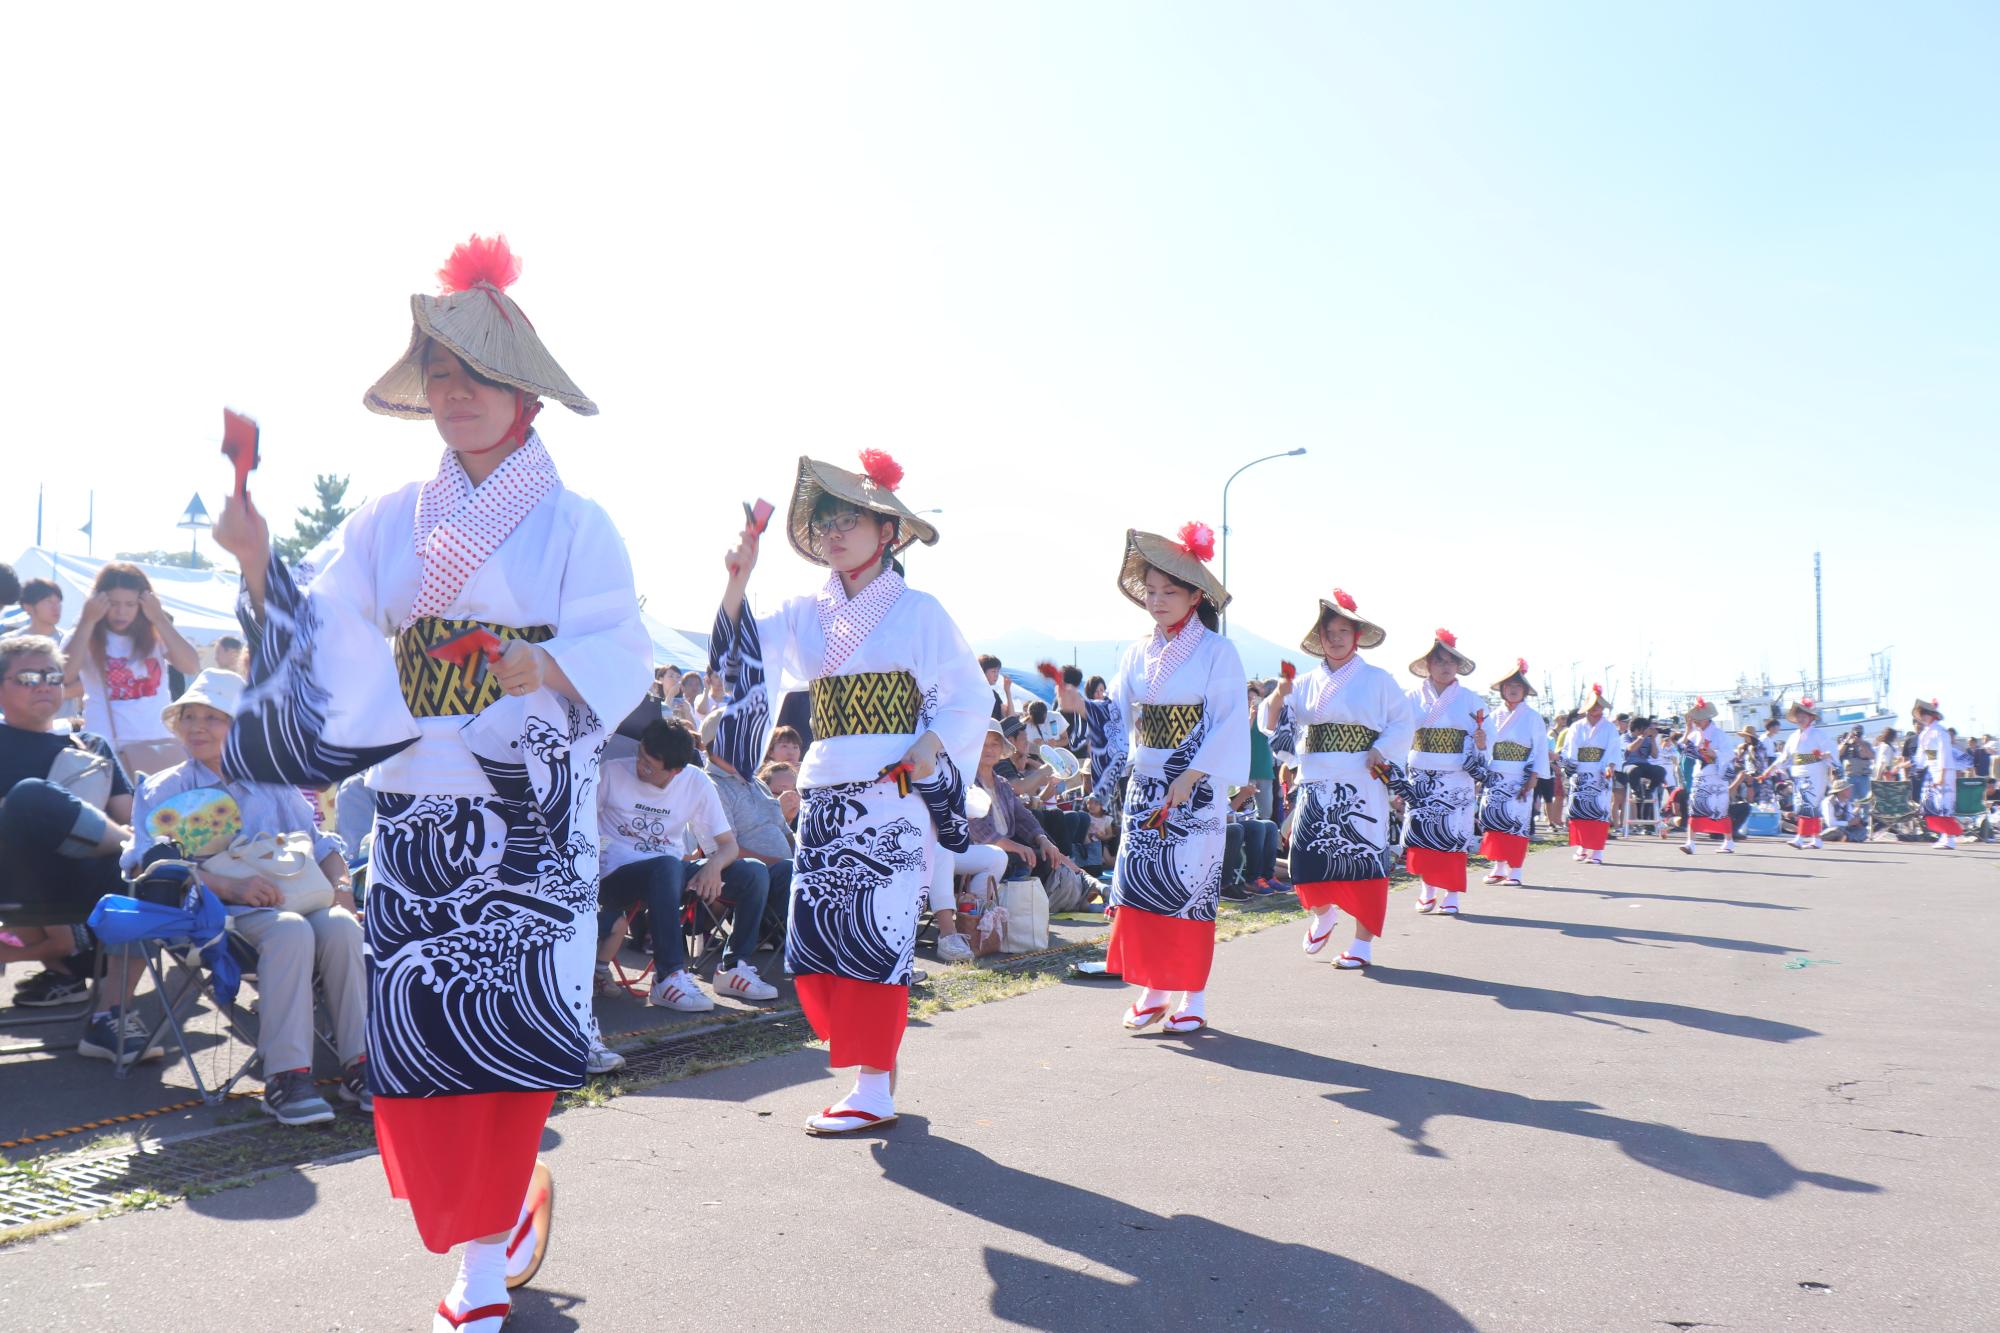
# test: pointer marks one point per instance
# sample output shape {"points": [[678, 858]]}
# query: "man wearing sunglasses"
{"points": [[64, 803]]}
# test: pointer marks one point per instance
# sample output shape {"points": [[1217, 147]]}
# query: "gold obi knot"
{"points": [[1167, 726], [1510, 752], [1589, 754], [433, 688], [1340, 738], [869, 703], [1440, 740]]}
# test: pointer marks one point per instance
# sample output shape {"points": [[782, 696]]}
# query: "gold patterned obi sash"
{"points": [[1589, 754], [432, 688], [1510, 752], [1339, 738], [1167, 726], [869, 703], [1440, 740]]}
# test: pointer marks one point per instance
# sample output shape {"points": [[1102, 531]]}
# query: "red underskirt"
{"points": [[1589, 834], [1939, 824], [861, 1022], [1160, 952], [1440, 870], [1722, 826], [1366, 900], [1808, 827], [1504, 848], [463, 1162]]}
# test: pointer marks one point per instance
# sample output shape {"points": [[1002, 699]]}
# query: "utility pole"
{"points": [[1819, 632]]}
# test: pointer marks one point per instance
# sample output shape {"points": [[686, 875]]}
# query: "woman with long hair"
{"points": [[1350, 717], [517, 646], [121, 649], [1517, 759], [899, 713], [1182, 690]]}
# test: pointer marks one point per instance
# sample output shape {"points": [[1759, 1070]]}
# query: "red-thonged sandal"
{"points": [[529, 1244], [848, 1120], [1425, 906], [482, 1319], [1348, 962], [1137, 1019], [1184, 1023], [1314, 943]]}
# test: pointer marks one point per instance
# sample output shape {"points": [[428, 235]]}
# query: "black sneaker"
{"points": [[292, 1099], [1236, 893], [354, 1086], [49, 988]]}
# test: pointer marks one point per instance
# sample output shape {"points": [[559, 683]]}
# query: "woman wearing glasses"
{"points": [[899, 713]]}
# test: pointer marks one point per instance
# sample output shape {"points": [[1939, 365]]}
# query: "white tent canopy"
{"points": [[203, 602]]}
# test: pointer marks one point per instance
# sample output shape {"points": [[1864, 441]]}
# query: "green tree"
{"points": [[174, 559], [327, 512]]}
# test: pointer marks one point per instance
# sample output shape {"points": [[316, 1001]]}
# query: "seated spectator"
{"points": [[124, 645], [1643, 772], [1019, 766], [42, 607], [1008, 826], [786, 747], [760, 821], [12, 618], [1843, 818], [782, 781], [666, 682], [1002, 687], [232, 656], [649, 807], [64, 803], [1249, 849], [291, 948]]}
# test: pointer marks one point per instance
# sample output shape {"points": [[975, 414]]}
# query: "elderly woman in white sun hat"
{"points": [[194, 806]]}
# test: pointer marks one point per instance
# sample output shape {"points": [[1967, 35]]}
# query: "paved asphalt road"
{"points": [[1756, 1092]]}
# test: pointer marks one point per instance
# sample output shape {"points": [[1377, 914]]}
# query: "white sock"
{"points": [[1950, 843], [1153, 999], [1502, 869], [1194, 1004], [1324, 919], [482, 1277], [1451, 899], [871, 1094], [1361, 948]]}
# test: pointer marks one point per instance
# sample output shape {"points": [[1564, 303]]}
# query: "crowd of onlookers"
{"points": [[110, 745]]}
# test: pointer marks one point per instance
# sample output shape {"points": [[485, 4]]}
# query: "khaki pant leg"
{"points": [[284, 945], [345, 978]]}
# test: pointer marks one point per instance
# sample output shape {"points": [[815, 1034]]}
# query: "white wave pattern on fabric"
{"points": [[848, 621], [1164, 656], [459, 526]]}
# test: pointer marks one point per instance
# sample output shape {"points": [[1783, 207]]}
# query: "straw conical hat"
{"points": [[476, 321], [1447, 641], [1700, 712], [1186, 560], [1594, 697], [1927, 706], [1342, 605], [1806, 706], [872, 489], [1520, 673]]}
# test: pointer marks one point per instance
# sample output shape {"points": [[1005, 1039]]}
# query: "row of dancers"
{"points": [[468, 640]]}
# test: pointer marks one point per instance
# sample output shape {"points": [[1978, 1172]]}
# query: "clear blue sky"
{"points": [[1596, 320]]}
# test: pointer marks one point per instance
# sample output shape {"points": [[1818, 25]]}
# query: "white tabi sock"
{"points": [[482, 1277], [1194, 1005], [871, 1094], [1451, 899], [1153, 999], [1325, 919], [1364, 949]]}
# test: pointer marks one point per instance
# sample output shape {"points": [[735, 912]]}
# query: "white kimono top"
{"points": [[1212, 677], [1449, 710], [1369, 698]]}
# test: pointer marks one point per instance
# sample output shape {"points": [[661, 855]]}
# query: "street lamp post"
{"points": [[1289, 453]]}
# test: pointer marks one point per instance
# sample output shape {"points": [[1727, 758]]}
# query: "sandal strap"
{"points": [[499, 1311]]}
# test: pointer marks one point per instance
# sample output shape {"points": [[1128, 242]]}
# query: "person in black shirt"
{"points": [[58, 852]]}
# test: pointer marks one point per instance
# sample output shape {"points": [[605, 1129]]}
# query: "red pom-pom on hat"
{"points": [[486, 259], [1447, 638], [1343, 599], [881, 469], [1198, 540], [1521, 664]]}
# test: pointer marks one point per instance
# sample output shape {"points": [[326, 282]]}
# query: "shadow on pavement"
{"points": [[1661, 897], [288, 1193], [1409, 1102], [544, 1312], [1534, 999], [1183, 1271], [1658, 939]]}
